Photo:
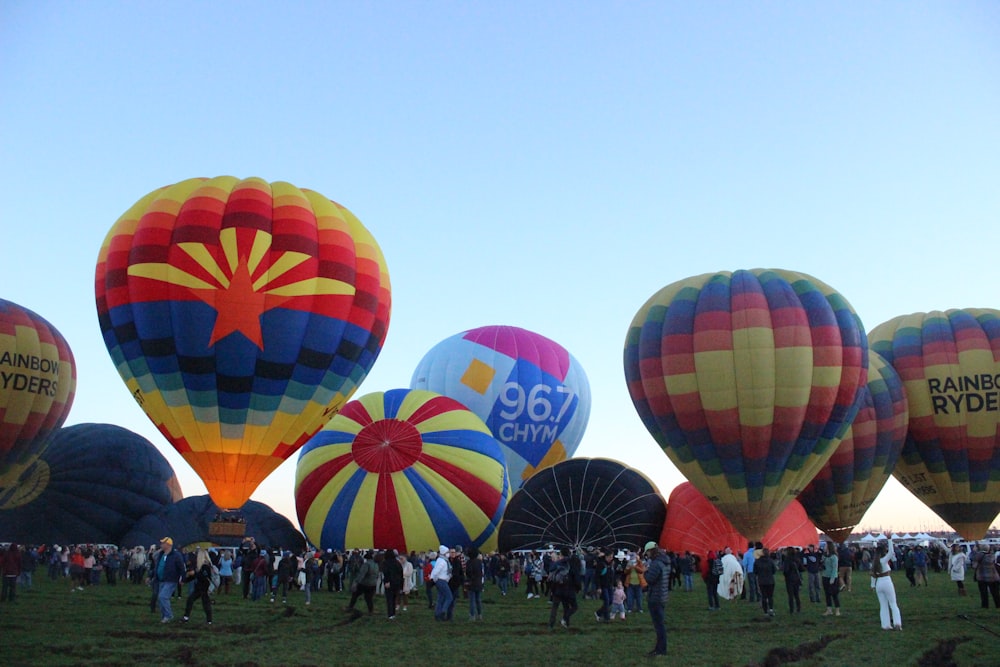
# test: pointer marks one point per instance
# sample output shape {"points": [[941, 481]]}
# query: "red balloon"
{"points": [[694, 524]]}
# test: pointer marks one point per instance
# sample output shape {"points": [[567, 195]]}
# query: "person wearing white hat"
{"points": [[440, 575], [658, 587]]}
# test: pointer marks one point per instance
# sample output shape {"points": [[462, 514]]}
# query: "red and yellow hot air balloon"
{"points": [[843, 490], [404, 469], [746, 380], [950, 366], [37, 386], [242, 315]]}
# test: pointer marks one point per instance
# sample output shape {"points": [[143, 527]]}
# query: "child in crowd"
{"points": [[618, 601]]}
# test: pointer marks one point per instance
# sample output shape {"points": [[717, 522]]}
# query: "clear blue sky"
{"points": [[545, 165]]}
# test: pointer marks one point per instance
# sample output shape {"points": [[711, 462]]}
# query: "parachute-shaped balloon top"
{"points": [[746, 380], [242, 315], [404, 469], [583, 502], [189, 521], [37, 386], [531, 392], [92, 483], [840, 494], [694, 524], [950, 366]]}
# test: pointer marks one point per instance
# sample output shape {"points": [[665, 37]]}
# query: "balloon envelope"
{"points": [[746, 380], [694, 524], [189, 521], [950, 366], [404, 469], [37, 386], [242, 315], [583, 502], [91, 485], [842, 491], [532, 394]]}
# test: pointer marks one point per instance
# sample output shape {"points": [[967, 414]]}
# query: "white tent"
{"points": [[868, 539]]}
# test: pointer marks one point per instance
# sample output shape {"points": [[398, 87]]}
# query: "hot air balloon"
{"points": [[746, 380], [694, 524], [189, 521], [950, 366], [404, 469], [90, 485], [840, 494], [530, 391], [37, 385], [583, 502], [242, 315]]}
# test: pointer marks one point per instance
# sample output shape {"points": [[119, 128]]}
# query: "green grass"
{"points": [[108, 626]]}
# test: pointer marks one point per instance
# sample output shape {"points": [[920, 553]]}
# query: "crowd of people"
{"points": [[625, 582]]}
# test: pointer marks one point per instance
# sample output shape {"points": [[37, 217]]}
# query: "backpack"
{"points": [[560, 575], [717, 567]]}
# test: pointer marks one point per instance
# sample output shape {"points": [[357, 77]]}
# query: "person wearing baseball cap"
{"points": [[168, 570], [658, 585]]}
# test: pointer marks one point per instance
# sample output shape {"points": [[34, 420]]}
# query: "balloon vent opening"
{"points": [[386, 446]]}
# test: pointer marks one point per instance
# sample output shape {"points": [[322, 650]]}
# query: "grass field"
{"points": [[107, 626]]}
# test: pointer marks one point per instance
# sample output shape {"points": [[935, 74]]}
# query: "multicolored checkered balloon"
{"points": [[37, 386], [746, 380], [843, 490], [950, 366]]}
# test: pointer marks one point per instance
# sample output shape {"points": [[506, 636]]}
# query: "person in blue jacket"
{"points": [[168, 570]]}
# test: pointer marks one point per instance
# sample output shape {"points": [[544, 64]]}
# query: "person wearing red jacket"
{"points": [[11, 566]]}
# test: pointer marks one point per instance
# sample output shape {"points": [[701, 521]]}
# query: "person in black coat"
{"points": [[791, 568], [606, 579], [201, 574], [765, 568], [392, 581]]}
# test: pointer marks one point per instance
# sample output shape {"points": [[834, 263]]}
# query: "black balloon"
{"points": [[90, 486], [583, 502], [193, 521]]}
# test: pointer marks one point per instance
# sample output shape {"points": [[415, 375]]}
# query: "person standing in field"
{"points": [[956, 567], [882, 584], [987, 577], [635, 580], [750, 591], [201, 574], [845, 563], [710, 574], [475, 581], [441, 575], [11, 566], [168, 570], [791, 568], [813, 561], [831, 582], [565, 589], [408, 581], [658, 586], [765, 568], [392, 582]]}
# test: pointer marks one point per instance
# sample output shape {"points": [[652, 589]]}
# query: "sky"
{"points": [[542, 165]]}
